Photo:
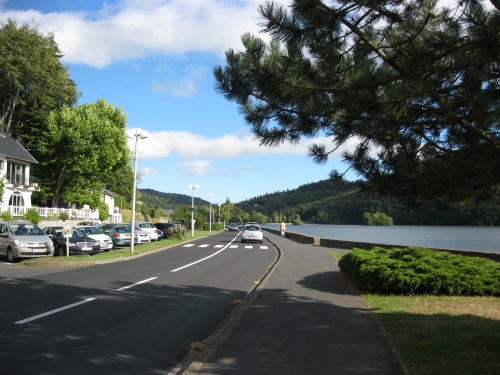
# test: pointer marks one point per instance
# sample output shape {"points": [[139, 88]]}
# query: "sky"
{"points": [[154, 60]]}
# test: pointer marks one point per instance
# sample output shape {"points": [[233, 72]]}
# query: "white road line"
{"points": [[188, 245], [248, 247], [208, 257], [233, 246], [138, 283], [264, 247], [218, 246], [204, 245], [54, 311]]}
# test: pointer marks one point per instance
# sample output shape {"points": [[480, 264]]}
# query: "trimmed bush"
{"points": [[32, 216], [417, 270]]}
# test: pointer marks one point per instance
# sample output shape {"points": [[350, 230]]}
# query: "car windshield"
{"points": [[90, 230], [78, 233], [26, 230], [252, 227], [122, 229]]}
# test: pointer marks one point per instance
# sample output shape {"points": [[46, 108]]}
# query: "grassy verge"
{"points": [[113, 254], [439, 334]]}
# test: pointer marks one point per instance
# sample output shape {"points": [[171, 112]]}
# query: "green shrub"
{"points": [[179, 233], [417, 270], [32, 216], [63, 216], [7, 216]]}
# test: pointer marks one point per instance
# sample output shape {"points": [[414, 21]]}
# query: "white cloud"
{"points": [[187, 145], [136, 28], [149, 171]]}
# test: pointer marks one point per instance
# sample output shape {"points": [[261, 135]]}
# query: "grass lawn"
{"points": [[440, 335]]}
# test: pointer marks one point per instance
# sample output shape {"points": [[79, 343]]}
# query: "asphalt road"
{"points": [[133, 317]]}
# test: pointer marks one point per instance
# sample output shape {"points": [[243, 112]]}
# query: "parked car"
{"points": [[233, 226], [167, 228], [89, 223], [79, 243], [148, 227], [23, 240], [160, 234], [121, 234], [105, 241], [252, 232]]}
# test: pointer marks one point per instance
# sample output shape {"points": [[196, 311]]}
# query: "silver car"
{"points": [[252, 232], [20, 240]]}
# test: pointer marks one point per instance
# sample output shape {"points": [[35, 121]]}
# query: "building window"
{"points": [[16, 173]]}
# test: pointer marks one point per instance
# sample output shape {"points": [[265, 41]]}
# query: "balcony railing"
{"points": [[73, 213]]}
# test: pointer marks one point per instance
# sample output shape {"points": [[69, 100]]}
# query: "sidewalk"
{"points": [[304, 320]]}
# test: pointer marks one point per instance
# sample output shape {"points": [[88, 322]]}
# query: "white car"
{"points": [[105, 241], [252, 232], [148, 227]]}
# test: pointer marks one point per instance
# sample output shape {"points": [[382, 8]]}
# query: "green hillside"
{"points": [[341, 202]]}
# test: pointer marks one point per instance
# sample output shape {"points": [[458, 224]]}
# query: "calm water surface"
{"points": [[460, 238]]}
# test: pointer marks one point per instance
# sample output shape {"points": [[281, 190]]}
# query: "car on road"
{"points": [[105, 241], [148, 227], [233, 226], [20, 240], [77, 241], [167, 228], [252, 232]]}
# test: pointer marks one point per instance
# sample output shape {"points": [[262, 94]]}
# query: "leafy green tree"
{"points": [[415, 85], [80, 147], [33, 81], [226, 210]]}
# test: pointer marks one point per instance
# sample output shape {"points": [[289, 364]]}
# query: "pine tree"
{"points": [[416, 85]]}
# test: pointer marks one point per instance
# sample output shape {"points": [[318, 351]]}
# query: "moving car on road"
{"points": [[252, 232], [233, 226], [23, 240]]}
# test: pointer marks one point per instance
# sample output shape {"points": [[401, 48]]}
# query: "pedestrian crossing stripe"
{"points": [[204, 245]]}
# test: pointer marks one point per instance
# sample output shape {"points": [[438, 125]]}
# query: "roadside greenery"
{"points": [[32, 216], [440, 335], [416, 270]]}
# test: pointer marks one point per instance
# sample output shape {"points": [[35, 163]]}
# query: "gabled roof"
{"points": [[13, 149]]}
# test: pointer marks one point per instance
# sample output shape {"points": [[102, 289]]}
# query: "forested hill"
{"points": [[338, 202], [155, 198]]}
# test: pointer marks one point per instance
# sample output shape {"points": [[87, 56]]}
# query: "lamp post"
{"points": [[193, 188], [136, 135], [219, 213], [211, 195]]}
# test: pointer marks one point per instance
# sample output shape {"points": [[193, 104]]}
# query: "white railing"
{"points": [[73, 213]]}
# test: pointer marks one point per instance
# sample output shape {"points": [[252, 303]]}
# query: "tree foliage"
{"points": [[33, 81], [80, 148], [417, 86]]}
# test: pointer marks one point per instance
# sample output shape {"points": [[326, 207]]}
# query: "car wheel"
{"points": [[10, 256], [261, 241], [61, 251]]}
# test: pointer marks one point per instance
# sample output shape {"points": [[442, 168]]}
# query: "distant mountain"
{"points": [[154, 198]]}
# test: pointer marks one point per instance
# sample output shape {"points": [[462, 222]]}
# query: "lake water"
{"points": [[459, 238]]}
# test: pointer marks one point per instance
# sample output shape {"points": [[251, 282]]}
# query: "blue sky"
{"points": [[154, 59]]}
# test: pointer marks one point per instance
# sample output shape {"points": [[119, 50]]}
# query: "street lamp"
{"points": [[137, 135], [219, 213], [211, 195], [193, 188]]}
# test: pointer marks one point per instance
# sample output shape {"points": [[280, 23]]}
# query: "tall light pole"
{"points": [[219, 213], [193, 188], [137, 135], [211, 195]]}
